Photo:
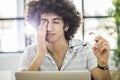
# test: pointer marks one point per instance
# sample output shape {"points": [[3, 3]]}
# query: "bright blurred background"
{"points": [[16, 33]]}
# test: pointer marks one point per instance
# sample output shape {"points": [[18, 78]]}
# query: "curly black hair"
{"points": [[63, 8]]}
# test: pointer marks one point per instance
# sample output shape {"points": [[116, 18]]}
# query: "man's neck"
{"points": [[58, 51], [58, 48]]}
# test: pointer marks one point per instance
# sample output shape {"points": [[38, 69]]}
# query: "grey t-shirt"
{"points": [[78, 57]]}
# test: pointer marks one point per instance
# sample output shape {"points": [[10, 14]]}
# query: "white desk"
{"points": [[5, 75]]}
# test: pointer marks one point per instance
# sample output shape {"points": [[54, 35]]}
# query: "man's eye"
{"points": [[56, 22]]}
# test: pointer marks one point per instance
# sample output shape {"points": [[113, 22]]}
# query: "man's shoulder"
{"points": [[32, 46]]}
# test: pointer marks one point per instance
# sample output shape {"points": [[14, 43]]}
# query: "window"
{"points": [[96, 19], [11, 25]]}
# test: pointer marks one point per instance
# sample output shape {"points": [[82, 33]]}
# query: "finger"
{"points": [[42, 28], [98, 43], [104, 46], [95, 50], [101, 47], [99, 40]]}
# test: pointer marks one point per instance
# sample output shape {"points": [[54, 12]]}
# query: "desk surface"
{"points": [[115, 75]]}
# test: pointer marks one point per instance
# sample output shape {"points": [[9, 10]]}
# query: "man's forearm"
{"points": [[35, 65]]}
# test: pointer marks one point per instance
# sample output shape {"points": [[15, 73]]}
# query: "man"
{"points": [[56, 22]]}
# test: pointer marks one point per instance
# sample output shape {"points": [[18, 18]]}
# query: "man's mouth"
{"points": [[50, 35]]}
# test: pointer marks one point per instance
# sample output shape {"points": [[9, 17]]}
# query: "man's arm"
{"points": [[101, 50], [41, 49], [99, 74]]}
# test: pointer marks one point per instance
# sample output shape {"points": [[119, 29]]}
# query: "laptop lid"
{"points": [[53, 75]]}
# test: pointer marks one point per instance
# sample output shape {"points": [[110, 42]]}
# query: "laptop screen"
{"points": [[53, 75]]}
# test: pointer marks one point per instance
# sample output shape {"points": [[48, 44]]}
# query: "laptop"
{"points": [[53, 75]]}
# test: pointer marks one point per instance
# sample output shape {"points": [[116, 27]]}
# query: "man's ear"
{"points": [[66, 27]]}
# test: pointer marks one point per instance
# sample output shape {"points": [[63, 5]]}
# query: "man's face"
{"points": [[55, 27]]}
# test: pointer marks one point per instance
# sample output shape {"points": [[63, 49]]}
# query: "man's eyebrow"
{"points": [[57, 18], [53, 19], [44, 19]]}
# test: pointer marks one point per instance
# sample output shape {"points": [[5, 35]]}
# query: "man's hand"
{"points": [[101, 50], [41, 49], [41, 36]]}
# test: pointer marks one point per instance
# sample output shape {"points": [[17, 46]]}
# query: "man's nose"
{"points": [[49, 26]]}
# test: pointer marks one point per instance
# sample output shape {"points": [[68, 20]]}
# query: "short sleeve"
{"points": [[27, 57]]}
